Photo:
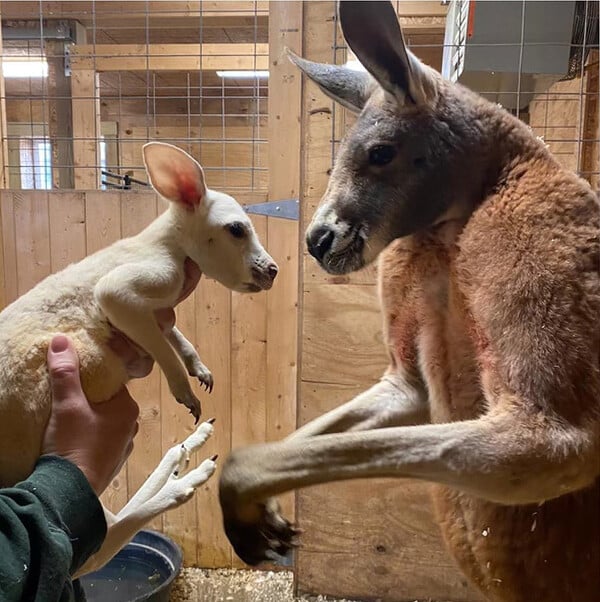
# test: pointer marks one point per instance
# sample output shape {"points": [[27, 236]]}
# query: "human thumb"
{"points": [[63, 366]]}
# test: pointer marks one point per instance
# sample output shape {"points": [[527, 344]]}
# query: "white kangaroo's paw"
{"points": [[177, 491], [173, 464], [195, 441], [123, 527]]}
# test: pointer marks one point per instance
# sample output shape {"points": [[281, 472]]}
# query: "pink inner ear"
{"points": [[188, 191]]}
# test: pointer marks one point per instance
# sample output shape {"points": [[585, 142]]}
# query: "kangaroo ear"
{"points": [[373, 33], [348, 87], [174, 174]]}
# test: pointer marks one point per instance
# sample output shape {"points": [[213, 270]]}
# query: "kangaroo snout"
{"points": [[319, 240], [264, 276]]}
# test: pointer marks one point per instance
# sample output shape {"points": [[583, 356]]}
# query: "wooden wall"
{"points": [[234, 157], [566, 116], [368, 539], [42, 232]]}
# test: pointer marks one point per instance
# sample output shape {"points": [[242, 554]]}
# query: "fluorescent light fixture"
{"points": [[243, 74], [24, 67]]}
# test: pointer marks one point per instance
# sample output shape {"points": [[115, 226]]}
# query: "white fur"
{"points": [[121, 286]]}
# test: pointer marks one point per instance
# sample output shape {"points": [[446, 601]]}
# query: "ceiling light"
{"points": [[24, 67], [243, 74]]}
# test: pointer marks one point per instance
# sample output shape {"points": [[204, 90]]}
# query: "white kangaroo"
{"points": [[120, 287]]}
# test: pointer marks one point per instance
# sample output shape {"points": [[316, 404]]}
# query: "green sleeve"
{"points": [[49, 526]]}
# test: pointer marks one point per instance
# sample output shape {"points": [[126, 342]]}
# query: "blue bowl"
{"points": [[143, 570]]}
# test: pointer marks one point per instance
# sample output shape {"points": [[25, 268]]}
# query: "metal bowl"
{"points": [[143, 570]]}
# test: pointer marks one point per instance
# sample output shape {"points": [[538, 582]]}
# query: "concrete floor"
{"points": [[226, 585]]}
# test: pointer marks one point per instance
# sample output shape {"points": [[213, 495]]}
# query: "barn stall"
{"points": [[86, 84]]}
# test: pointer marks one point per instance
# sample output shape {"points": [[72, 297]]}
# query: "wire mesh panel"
{"points": [[558, 38], [88, 83]]}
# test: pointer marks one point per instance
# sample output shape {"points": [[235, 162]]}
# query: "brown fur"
{"points": [[548, 551], [490, 290]]}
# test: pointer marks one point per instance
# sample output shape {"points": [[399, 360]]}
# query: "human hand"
{"points": [[137, 361], [97, 438]]}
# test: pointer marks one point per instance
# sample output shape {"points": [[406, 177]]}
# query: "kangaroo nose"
{"points": [[319, 241], [272, 270]]}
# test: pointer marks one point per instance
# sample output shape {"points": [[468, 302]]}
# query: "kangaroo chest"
{"points": [[428, 323], [447, 357]]}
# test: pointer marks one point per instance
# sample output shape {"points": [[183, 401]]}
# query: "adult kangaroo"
{"points": [[489, 259]]}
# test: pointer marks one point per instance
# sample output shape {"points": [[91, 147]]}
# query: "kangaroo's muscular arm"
{"points": [[399, 398]]}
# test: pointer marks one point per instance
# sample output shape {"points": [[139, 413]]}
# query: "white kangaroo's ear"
{"points": [[348, 87], [174, 174], [373, 33]]}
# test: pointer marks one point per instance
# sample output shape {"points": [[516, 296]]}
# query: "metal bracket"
{"points": [[285, 209], [67, 60]]}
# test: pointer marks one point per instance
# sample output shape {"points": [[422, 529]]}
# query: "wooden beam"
{"points": [[99, 11], [285, 96], [86, 128], [20, 110], [590, 151], [60, 122], [170, 57], [3, 131]]}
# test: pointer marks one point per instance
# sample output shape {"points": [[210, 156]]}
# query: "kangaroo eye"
{"points": [[381, 154], [236, 230]]}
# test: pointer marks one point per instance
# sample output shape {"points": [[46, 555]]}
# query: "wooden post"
{"points": [[170, 57], [60, 118], [85, 96], [374, 539], [590, 152], [3, 128], [285, 87]]}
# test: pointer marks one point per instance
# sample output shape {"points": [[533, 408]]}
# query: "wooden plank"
{"points": [[32, 235], [285, 85], [3, 127], [102, 219], [213, 341], [32, 111], [318, 116], [67, 229], [9, 247], [102, 12], [86, 128], [215, 148], [109, 12], [60, 124], [402, 562], [249, 364], [317, 127], [170, 57], [103, 227], [3, 296], [590, 153], [177, 423], [342, 335]]}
